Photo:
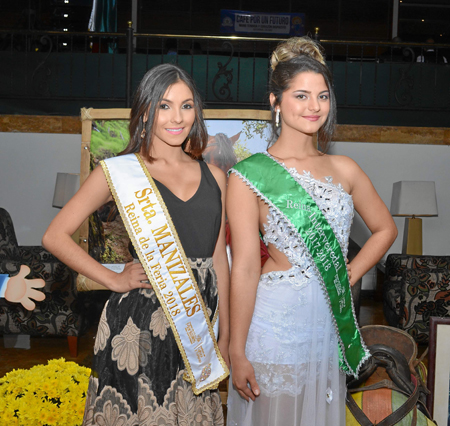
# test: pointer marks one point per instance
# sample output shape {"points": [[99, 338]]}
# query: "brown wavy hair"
{"points": [[146, 100], [294, 56]]}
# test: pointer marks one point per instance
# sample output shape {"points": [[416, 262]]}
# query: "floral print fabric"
{"points": [[137, 376], [416, 288]]}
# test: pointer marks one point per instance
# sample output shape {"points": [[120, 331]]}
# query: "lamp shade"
{"points": [[66, 186], [414, 198]]}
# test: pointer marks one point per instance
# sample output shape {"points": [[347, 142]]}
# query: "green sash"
{"points": [[278, 188]]}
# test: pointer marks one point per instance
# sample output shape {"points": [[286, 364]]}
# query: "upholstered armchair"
{"points": [[416, 288], [62, 312]]}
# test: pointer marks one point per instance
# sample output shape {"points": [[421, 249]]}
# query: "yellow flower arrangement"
{"points": [[45, 395]]}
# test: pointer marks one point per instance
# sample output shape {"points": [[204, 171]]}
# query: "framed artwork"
{"points": [[438, 402], [233, 135]]}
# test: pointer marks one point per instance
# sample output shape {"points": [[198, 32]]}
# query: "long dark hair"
{"points": [[146, 100], [293, 57]]}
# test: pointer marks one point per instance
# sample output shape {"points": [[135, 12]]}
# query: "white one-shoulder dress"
{"points": [[292, 342]]}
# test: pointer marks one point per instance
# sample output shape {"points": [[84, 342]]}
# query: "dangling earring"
{"points": [[143, 133], [277, 118]]}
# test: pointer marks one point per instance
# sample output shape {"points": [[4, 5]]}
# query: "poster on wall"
{"points": [[229, 141], [239, 21]]}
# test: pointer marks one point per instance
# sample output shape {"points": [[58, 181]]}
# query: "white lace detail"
{"points": [[291, 312], [333, 201], [292, 341], [337, 206], [291, 325]]}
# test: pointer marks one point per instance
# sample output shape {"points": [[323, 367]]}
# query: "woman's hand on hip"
{"points": [[349, 273], [133, 276]]}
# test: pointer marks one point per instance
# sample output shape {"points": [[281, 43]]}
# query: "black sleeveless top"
{"points": [[197, 220]]}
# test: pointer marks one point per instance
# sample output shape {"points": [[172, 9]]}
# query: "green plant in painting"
{"points": [[109, 137], [241, 151], [251, 128]]}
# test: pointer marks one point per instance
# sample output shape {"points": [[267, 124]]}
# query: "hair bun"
{"points": [[294, 47]]}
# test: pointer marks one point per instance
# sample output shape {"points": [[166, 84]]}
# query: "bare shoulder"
{"points": [[218, 174], [239, 192], [96, 184], [348, 171], [97, 176], [344, 162], [346, 166]]}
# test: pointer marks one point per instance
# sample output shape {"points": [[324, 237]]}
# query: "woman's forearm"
{"points": [[223, 286], [57, 239], [71, 254], [243, 215], [244, 285], [372, 251]]}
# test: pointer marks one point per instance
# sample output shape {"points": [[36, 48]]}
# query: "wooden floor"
{"points": [[43, 349]]}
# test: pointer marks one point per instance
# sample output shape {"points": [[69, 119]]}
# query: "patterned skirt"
{"points": [[137, 374]]}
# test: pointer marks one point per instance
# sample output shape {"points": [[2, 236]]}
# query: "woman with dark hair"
{"points": [[293, 332], [156, 358]]}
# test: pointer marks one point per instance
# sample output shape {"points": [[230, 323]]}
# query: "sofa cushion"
{"points": [[396, 265], [425, 293]]}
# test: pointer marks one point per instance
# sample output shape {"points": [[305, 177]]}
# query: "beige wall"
{"points": [[34, 149], [387, 163], [28, 166]]}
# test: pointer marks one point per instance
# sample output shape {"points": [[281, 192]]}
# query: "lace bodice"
{"points": [[336, 205]]}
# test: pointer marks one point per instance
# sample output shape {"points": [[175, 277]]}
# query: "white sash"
{"points": [[156, 242]]}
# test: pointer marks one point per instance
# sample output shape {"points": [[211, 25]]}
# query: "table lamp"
{"points": [[66, 186], [413, 199]]}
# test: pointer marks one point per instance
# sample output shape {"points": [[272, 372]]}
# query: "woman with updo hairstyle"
{"points": [[295, 56], [293, 334]]}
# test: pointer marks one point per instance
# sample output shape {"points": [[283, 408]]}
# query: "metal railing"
{"points": [[59, 72]]}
